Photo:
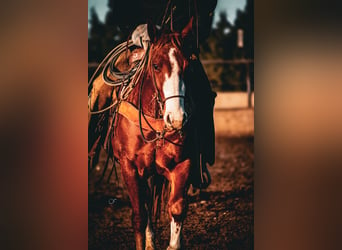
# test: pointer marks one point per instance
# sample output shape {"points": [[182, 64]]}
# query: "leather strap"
{"points": [[129, 111]]}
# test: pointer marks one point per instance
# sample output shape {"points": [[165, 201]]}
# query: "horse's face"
{"points": [[168, 64]]}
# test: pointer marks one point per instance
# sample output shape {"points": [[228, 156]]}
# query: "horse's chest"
{"points": [[156, 159], [146, 157]]}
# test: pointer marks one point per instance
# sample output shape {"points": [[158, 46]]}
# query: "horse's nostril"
{"points": [[168, 120], [175, 123]]}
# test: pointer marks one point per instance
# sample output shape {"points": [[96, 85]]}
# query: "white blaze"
{"points": [[174, 86], [175, 240], [149, 241]]}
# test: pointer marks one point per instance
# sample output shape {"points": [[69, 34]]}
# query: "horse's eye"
{"points": [[155, 66]]}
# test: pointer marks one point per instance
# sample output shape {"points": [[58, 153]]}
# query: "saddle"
{"points": [[99, 125]]}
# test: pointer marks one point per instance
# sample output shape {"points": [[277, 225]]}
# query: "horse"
{"points": [[152, 131]]}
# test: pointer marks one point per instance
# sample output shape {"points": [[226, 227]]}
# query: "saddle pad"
{"points": [[129, 111]]}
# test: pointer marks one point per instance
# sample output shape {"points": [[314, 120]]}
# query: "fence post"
{"points": [[248, 81]]}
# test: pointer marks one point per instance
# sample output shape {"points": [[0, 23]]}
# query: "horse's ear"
{"points": [[188, 28]]}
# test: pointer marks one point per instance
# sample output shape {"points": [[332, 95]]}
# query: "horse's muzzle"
{"points": [[173, 123]]}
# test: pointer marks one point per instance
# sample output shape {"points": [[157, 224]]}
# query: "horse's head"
{"points": [[167, 63]]}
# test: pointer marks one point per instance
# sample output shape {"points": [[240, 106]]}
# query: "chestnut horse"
{"points": [[153, 135]]}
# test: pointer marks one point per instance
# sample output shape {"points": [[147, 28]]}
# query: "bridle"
{"points": [[159, 135], [127, 81]]}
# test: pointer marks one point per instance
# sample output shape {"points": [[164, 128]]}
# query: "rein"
{"points": [[170, 8], [127, 81], [160, 135]]}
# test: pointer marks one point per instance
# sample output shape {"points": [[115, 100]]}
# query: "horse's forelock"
{"points": [[174, 39], [167, 41]]}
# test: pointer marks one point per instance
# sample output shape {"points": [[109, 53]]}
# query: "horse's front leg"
{"points": [[149, 235], [177, 202], [137, 193], [149, 240]]}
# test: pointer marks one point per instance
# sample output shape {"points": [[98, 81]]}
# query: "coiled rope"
{"points": [[126, 79]]}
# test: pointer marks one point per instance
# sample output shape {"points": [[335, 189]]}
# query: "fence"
{"points": [[244, 61], [247, 62]]}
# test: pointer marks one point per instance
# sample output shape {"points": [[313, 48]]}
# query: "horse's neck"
{"points": [[148, 99]]}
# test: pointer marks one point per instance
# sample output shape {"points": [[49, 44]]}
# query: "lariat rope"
{"points": [[127, 81]]}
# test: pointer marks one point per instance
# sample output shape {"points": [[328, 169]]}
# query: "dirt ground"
{"points": [[220, 217]]}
